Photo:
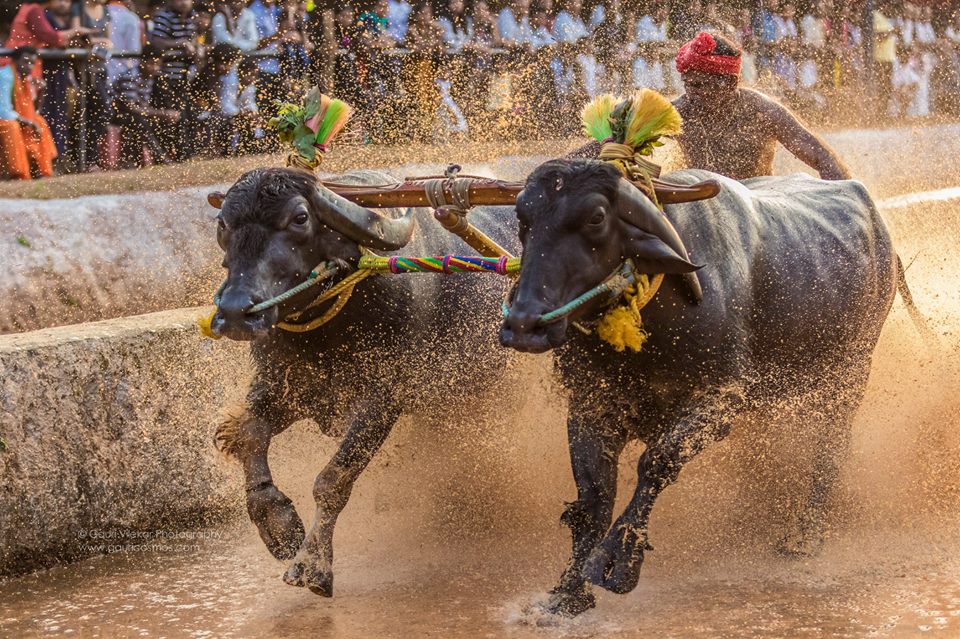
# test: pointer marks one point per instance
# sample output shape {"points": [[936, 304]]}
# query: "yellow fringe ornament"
{"points": [[203, 324], [622, 326]]}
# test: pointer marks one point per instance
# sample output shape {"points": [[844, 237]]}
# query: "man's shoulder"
{"points": [[760, 102]]}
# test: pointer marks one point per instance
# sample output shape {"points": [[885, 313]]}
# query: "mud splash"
{"points": [[454, 529]]}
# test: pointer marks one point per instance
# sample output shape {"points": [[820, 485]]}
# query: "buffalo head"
{"points": [[275, 226], [578, 221]]}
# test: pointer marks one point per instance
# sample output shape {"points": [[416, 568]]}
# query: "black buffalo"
{"points": [[798, 277], [397, 345]]}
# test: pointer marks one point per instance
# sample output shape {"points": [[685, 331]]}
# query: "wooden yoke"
{"points": [[487, 191], [452, 195]]}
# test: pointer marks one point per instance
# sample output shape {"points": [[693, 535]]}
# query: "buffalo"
{"points": [[798, 276], [365, 366]]}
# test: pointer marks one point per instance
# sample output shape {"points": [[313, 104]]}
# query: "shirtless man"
{"points": [[734, 131]]}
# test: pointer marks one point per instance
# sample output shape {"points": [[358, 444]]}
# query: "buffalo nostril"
{"points": [[521, 322]]}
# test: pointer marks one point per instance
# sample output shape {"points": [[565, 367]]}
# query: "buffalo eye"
{"points": [[300, 219], [597, 218], [221, 225]]}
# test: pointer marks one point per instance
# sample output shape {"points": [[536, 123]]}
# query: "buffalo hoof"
{"points": [[615, 563], [568, 603], [310, 572], [800, 544], [277, 521]]}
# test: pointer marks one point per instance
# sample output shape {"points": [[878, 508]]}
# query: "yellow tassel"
{"points": [[621, 328], [203, 323], [651, 116], [596, 117]]}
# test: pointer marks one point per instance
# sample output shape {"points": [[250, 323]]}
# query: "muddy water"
{"points": [[453, 530]]}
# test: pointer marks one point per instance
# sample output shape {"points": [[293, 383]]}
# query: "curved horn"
{"points": [[636, 209], [362, 225]]}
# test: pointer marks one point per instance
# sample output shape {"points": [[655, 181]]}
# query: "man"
{"points": [[135, 113], [732, 130], [173, 33], [25, 139], [126, 36]]}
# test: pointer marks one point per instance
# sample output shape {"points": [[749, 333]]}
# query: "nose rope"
{"points": [[613, 287], [321, 273]]}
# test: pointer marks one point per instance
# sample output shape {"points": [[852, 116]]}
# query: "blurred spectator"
{"points": [[206, 128], [31, 28], [26, 144], [173, 32], [126, 36], [203, 11], [651, 34], [884, 53], [94, 102], [142, 123], [294, 58], [57, 78], [239, 106], [398, 16], [234, 26], [269, 82], [614, 46], [425, 39], [764, 27], [513, 22]]}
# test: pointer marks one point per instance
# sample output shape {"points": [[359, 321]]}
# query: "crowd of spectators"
{"points": [[199, 78]]}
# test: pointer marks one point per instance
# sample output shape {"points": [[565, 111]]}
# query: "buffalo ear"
{"points": [[652, 255], [215, 199]]}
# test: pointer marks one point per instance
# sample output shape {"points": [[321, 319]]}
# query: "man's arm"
{"points": [[802, 142]]}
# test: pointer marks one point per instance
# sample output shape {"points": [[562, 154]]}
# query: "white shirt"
{"points": [[567, 28], [513, 31], [456, 37], [398, 17], [813, 33], [925, 33], [244, 35], [649, 31]]}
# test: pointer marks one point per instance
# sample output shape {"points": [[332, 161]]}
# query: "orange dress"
{"points": [[20, 144]]}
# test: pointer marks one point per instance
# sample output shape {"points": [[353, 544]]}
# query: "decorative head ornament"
{"points": [[310, 127], [700, 54]]}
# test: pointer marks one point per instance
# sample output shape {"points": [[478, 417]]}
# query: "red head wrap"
{"points": [[699, 55]]}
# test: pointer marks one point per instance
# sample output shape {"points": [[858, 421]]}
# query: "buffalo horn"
{"points": [[636, 209], [362, 225]]}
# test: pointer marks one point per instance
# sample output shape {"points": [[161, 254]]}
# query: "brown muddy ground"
{"points": [[454, 529]]}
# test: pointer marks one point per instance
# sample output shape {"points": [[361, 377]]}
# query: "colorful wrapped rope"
{"points": [[441, 264]]}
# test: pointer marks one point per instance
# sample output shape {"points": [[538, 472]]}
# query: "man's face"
{"points": [[709, 89], [25, 63]]}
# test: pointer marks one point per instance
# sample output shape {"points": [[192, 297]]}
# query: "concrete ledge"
{"points": [[108, 426], [105, 256]]}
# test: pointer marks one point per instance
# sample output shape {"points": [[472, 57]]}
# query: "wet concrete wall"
{"points": [[91, 258], [107, 426]]}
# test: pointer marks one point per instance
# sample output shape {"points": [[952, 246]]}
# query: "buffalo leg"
{"points": [[246, 434], [313, 565], [594, 452], [615, 563], [830, 418]]}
